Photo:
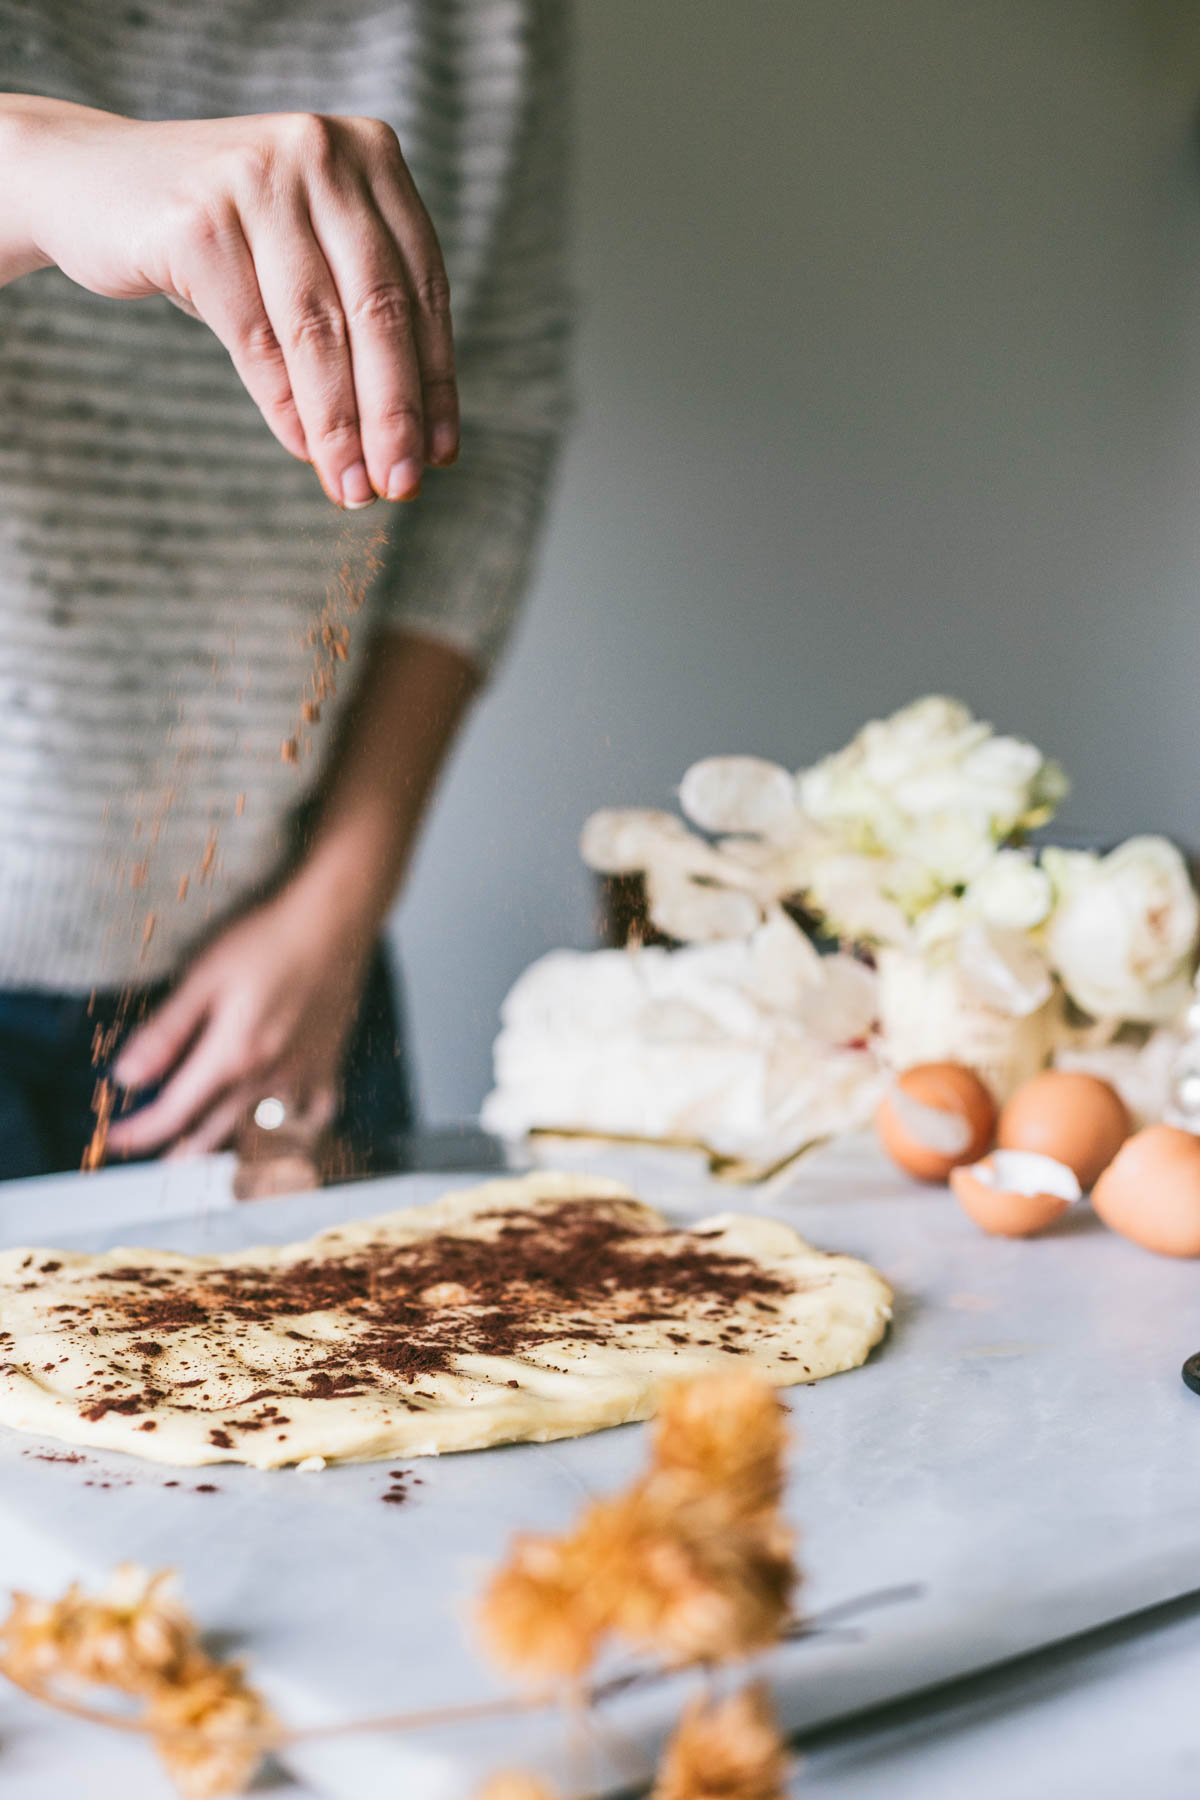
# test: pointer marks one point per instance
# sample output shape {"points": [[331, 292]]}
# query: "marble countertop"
{"points": [[1021, 1456]]}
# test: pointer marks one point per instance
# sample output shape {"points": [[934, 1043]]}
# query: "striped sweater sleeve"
{"points": [[458, 559]]}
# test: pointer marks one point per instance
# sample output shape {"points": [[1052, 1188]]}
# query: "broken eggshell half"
{"points": [[935, 1116], [1014, 1193]]}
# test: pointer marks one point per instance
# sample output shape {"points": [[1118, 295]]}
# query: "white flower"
{"points": [[1124, 929], [983, 1008], [951, 847], [1011, 892], [858, 782], [1004, 970], [739, 793], [754, 1048], [935, 784], [940, 926], [1013, 783], [835, 996], [990, 935], [629, 839], [694, 891], [849, 894], [698, 912]]}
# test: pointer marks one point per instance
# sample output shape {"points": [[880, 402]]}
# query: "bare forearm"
{"points": [[394, 743], [40, 139], [23, 118]]}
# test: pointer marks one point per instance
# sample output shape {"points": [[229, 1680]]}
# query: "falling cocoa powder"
{"points": [[330, 637], [103, 1100]]}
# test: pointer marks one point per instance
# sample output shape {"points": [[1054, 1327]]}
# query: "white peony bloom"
{"points": [[838, 791], [835, 996], [1010, 891], [1003, 970], [1014, 783], [985, 1014], [753, 1048], [940, 926], [849, 895], [934, 784], [951, 848], [928, 735], [1124, 929]]}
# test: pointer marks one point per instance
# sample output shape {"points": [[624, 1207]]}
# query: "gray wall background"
{"points": [[889, 371]]}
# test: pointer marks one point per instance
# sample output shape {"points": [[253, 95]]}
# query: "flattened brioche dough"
{"points": [[537, 1308]]}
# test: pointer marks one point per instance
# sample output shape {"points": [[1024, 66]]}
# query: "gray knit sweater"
{"points": [[165, 568]]}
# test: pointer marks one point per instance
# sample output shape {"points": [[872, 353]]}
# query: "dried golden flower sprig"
{"points": [[725, 1749], [515, 1786], [210, 1729], [539, 1618], [694, 1561], [683, 1579], [725, 1436], [135, 1637]]}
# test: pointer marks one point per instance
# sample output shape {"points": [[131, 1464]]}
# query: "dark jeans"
{"points": [[48, 1073]]}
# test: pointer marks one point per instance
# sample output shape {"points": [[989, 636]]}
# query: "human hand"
{"points": [[299, 239], [266, 1010]]}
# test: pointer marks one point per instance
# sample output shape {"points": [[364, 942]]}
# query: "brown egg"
{"points": [[934, 1117], [1075, 1118], [1151, 1191], [1014, 1193]]}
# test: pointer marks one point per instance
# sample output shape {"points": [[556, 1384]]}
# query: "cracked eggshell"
{"points": [[934, 1117], [1076, 1118], [1150, 1192], [1014, 1193]]}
